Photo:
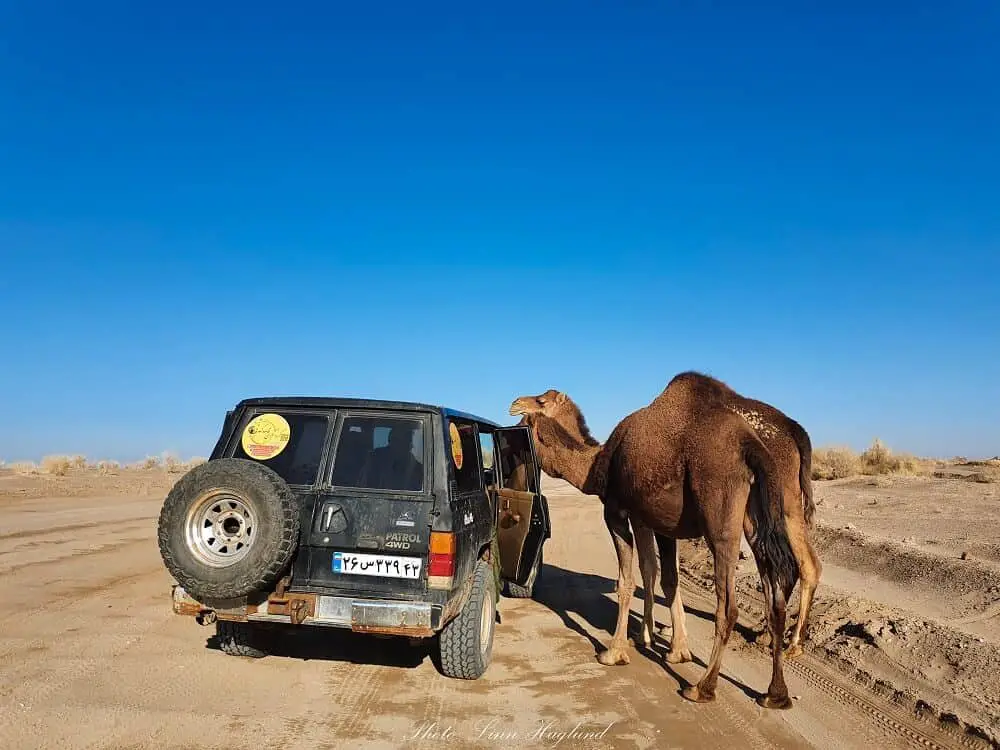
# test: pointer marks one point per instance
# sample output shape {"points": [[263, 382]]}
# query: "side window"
{"points": [[486, 446], [290, 443], [463, 445], [517, 470]]}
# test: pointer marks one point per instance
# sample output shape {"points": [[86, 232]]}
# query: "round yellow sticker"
{"points": [[456, 446], [266, 436]]}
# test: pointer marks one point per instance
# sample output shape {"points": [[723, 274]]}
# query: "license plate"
{"points": [[357, 564]]}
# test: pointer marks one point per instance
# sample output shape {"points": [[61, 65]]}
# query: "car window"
{"points": [[517, 469], [464, 445], [289, 443], [380, 453], [486, 445]]}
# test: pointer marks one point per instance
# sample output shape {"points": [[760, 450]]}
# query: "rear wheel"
{"points": [[240, 639], [466, 642], [516, 591]]}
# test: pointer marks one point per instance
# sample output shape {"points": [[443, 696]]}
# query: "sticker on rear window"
{"points": [[266, 436], [456, 446]]}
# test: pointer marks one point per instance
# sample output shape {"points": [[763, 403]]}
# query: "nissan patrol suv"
{"points": [[380, 517]]}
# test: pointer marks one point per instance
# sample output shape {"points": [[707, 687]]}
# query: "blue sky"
{"points": [[457, 203]]}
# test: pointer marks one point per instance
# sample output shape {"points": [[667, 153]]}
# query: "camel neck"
{"points": [[576, 465]]}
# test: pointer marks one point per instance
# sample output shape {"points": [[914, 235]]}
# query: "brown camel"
{"points": [[791, 448], [682, 468]]}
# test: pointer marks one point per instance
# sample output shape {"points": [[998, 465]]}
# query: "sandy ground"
{"points": [[91, 655]]}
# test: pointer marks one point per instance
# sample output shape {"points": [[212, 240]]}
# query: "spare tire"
{"points": [[228, 528]]}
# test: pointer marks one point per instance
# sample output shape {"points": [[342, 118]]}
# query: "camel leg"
{"points": [[724, 541], [646, 547], [775, 603], [810, 569], [618, 525], [670, 580], [777, 691], [762, 629]]}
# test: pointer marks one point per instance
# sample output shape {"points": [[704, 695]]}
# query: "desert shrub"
{"points": [[835, 463], [107, 467], [57, 466], [988, 475], [78, 462], [23, 467], [878, 458], [149, 462], [194, 461], [171, 463]]}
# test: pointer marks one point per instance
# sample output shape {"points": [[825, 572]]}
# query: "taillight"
{"points": [[442, 555]]}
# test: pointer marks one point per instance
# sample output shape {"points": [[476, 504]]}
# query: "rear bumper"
{"points": [[415, 619]]}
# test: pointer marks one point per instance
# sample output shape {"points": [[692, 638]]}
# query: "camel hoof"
{"points": [[793, 651], [613, 657], [692, 693], [779, 703], [679, 656]]}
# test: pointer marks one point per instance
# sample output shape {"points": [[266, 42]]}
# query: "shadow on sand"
{"points": [[333, 644], [568, 592]]}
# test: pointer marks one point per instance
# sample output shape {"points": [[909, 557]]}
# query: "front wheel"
{"points": [[466, 643], [516, 591]]}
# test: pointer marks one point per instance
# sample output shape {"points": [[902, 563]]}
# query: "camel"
{"points": [[682, 469], [791, 447]]}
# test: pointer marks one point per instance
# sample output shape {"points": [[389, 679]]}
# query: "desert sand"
{"points": [[904, 649]]}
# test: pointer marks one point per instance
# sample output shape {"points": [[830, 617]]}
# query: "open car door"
{"points": [[522, 511]]}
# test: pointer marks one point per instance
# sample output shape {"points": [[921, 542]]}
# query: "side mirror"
{"points": [[489, 477]]}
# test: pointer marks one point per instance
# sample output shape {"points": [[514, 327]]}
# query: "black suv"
{"points": [[383, 517]]}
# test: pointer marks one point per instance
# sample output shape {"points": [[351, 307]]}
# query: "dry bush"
{"points": [[878, 458], [57, 466], [78, 462], [988, 475], [149, 462], [23, 467], [194, 461], [171, 463], [107, 467], [835, 463]]}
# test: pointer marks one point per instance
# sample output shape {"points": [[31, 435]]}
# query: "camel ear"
{"points": [[560, 398]]}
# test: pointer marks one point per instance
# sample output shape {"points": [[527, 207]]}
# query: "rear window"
{"points": [[380, 453], [291, 444]]}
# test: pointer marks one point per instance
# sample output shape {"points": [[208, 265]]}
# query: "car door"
{"points": [[522, 511]]}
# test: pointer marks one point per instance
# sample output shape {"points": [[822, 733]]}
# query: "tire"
{"points": [[239, 639], [466, 643], [222, 497], [516, 591]]}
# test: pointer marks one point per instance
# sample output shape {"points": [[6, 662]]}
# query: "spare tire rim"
{"points": [[220, 528]]}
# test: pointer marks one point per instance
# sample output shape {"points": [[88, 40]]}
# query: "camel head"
{"points": [[556, 406], [549, 404]]}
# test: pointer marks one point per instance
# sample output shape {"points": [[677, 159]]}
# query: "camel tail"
{"points": [[766, 508], [805, 471]]}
